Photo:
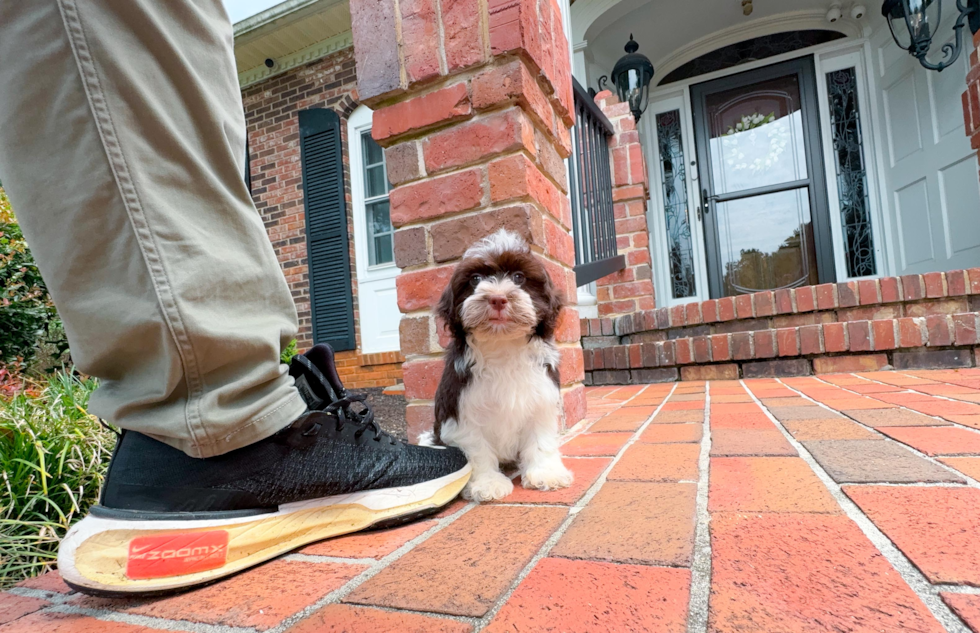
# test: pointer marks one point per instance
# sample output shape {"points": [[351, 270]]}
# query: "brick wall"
{"points": [[631, 289], [271, 114], [909, 322], [474, 108]]}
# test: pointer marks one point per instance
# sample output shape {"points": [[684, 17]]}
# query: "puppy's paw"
{"points": [[550, 477], [488, 487]]}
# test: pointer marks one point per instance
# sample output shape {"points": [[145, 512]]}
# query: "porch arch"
{"points": [[590, 17]]}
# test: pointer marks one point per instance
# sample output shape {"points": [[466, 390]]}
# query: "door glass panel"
{"points": [[381, 233], [852, 180], [680, 250], [766, 242], [756, 135], [380, 236]]}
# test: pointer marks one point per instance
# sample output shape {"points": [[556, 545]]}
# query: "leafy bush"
{"points": [[28, 319], [53, 458], [287, 354]]}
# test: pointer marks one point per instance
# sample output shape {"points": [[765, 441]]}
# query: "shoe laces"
{"points": [[362, 419]]}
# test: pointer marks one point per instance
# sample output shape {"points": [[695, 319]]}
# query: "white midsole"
{"points": [[376, 500]]}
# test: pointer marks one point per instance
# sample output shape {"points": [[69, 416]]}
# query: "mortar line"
{"points": [[549, 544], [344, 590], [151, 622], [916, 581], [909, 389], [970, 481], [697, 611], [318, 558]]}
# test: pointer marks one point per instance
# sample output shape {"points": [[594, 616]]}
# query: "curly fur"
{"points": [[499, 398]]}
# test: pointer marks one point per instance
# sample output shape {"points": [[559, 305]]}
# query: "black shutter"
{"points": [[327, 244]]}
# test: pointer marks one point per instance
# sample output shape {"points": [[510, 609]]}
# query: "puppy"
{"points": [[499, 400]]}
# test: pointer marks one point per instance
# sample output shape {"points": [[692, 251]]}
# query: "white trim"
{"points": [[824, 64], [304, 56], [359, 122]]}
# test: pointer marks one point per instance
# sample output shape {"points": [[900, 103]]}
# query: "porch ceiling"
{"points": [[287, 28], [671, 33]]}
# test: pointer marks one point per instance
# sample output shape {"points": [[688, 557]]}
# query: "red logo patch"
{"points": [[176, 554]]}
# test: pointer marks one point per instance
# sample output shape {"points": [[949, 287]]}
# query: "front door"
{"points": [[763, 191]]}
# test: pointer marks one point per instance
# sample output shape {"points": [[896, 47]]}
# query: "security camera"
{"points": [[858, 11], [834, 13], [271, 64]]}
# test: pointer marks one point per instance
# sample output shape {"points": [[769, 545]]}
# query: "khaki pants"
{"points": [[122, 149]]}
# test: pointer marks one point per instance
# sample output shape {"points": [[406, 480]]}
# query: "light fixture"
{"points": [[913, 24], [631, 75]]}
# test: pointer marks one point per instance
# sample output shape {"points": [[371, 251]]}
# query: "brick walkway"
{"points": [[833, 503]]}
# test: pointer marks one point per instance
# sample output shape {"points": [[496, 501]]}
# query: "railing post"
{"points": [[631, 289]]}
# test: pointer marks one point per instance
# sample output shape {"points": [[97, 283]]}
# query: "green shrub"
{"points": [[288, 353], [28, 320], [53, 458]]}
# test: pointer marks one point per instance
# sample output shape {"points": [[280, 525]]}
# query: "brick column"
{"points": [[631, 289], [971, 97], [473, 105]]}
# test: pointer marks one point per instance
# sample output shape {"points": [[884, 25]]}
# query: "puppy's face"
{"points": [[500, 291]]}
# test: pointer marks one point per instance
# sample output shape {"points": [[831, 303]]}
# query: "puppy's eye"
{"points": [[475, 280], [518, 279]]}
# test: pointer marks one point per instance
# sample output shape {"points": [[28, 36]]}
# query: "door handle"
{"points": [[706, 201]]}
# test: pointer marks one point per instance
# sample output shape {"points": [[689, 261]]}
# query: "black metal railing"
{"points": [[593, 222]]}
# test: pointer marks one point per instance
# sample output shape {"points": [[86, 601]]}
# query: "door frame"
{"points": [[358, 122], [803, 67]]}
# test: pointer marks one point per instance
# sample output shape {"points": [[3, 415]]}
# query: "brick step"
{"points": [[935, 341]]}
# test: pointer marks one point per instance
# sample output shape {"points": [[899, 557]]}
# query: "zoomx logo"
{"points": [[163, 555]]}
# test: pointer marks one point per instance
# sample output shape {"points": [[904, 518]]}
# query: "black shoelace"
{"points": [[363, 419]]}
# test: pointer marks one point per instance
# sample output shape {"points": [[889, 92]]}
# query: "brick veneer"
{"points": [[971, 96], [631, 289], [473, 105], [912, 321], [271, 113]]}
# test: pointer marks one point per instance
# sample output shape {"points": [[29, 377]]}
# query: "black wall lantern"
{"points": [[632, 74], [913, 24]]}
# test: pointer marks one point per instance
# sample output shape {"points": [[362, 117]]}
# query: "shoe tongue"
{"points": [[316, 377]]}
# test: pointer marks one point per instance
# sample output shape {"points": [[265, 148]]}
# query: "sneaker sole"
{"points": [[113, 557]]}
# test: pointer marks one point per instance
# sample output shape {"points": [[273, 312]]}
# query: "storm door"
{"points": [[763, 188]]}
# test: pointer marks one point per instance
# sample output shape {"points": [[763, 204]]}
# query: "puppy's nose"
{"points": [[498, 303]]}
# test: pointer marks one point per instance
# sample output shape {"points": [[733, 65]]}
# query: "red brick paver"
{"points": [[809, 572], [589, 597], [779, 545]]}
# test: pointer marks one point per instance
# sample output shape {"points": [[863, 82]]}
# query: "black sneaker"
{"points": [[168, 522]]}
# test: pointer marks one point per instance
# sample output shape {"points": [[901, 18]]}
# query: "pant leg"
{"points": [[122, 149]]}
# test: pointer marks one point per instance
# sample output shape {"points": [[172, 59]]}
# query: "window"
{"points": [[852, 180], [680, 246], [380, 234], [749, 51]]}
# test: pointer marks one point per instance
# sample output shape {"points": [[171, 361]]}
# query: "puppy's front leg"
{"points": [[541, 465], [486, 483]]}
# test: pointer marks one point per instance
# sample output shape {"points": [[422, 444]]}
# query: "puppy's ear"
{"points": [[548, 319], [446, 308]]}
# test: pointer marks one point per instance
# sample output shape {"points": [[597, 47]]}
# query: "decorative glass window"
{"points": [[852, 180], [749, 51], [380, 234], [680, 249]]}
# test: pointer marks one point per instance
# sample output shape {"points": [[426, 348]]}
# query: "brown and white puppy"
{"points": [[499, 398]]}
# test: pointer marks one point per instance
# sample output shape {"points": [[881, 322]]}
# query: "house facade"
{"points": [[799, 194], [348, 265]]}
